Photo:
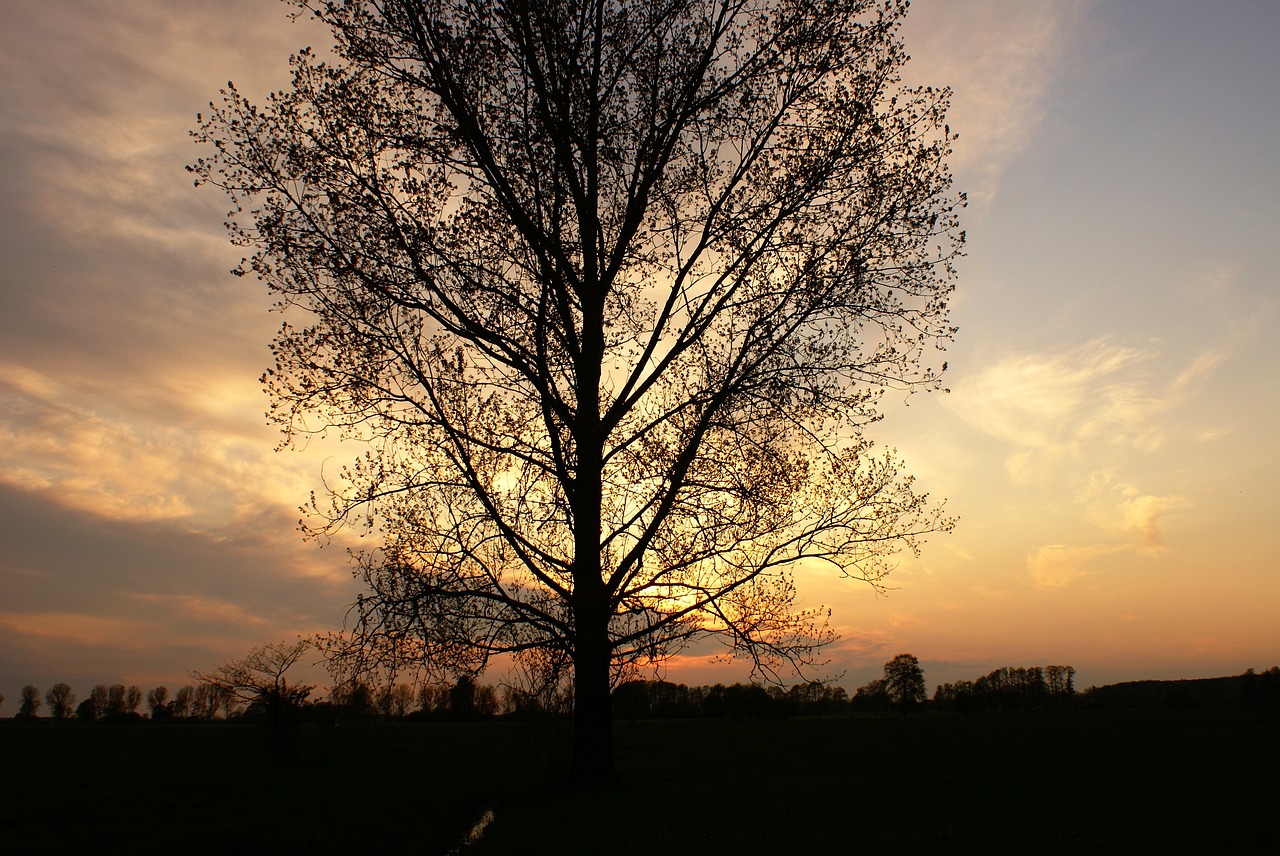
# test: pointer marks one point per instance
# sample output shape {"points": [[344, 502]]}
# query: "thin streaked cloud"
{"points": [[1000, 78], [1065, 408]]}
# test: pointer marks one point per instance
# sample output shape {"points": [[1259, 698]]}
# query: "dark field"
{"points": [[1090, 781]]}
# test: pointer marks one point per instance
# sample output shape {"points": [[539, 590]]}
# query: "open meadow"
{"points": [[1181, 780]]}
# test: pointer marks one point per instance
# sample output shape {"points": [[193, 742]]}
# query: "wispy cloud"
{"points": [[1090, 424], [999, 57], [125, 466], [1125, 511], [1056, 565], [1049, 407]]}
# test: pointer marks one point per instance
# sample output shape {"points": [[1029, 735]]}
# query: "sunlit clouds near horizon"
{"points": [[1108, 443]]}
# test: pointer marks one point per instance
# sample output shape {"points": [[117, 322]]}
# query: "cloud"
{"points": [[999, 57], [1128, 516], [85, 595], [1125, 511], [1056, 565], [1050, 407], [129, 466], [1045, 405], [204, 610], [1089, 423]]}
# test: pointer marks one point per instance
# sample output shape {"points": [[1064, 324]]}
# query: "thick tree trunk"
{"points": [[592, 765]]}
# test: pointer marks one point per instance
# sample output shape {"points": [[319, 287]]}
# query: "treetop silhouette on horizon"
{"points": [[612, 290]]}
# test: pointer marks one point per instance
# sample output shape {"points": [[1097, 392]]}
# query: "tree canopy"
{"points": [[904, 681], [612, 289]]}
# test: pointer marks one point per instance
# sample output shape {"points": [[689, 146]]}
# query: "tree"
{"points": [[86, 711], [183, 700], [259, 679], [100, 695], [61, 700], [30, 703], [397, 700], [116, 694], [872, 697], [462, 698], [206, 702], [612, 290], [904, 681], [355, 699], [1061, 682], [132, 698], [158, 701]]}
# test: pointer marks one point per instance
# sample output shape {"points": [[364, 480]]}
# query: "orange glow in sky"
{"points": [[1109, 444]]}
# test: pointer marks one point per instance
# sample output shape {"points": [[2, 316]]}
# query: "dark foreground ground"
{"points": [[1153, 781]]}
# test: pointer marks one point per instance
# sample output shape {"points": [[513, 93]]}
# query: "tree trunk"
{"points": [[592, 765]]}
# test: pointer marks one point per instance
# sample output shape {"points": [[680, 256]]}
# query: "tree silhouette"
{"points": [[612, 289], [158, 702], [61, 701], [99, 695], [30, 703], [259, 678], [904, 681], [132, 698], [183, 701], [116, 699]]}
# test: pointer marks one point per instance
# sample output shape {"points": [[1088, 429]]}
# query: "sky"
{"points": [[1109, 443]]}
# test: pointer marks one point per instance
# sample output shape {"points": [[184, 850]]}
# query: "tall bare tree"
{"points": [[612, 288], [158, 701], [61, 700], [259, 678], [98, 697], [30, 704], [132, 698]]}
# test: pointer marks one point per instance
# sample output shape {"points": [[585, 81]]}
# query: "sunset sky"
{"points": [[1110, 443]]}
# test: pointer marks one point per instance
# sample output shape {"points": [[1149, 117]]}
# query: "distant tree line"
{"points": [[219, 698], [1249, 688], [1010, 688], [256, 687], [119, 704]]}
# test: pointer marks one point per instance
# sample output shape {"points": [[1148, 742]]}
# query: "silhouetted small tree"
{"points": [[904, 681], [86, 711], [132, 698], [99, 695], [180, 707], [259, 679], [30, 703], [158, 701], [871, 697], [462, 698], [206, 702], [354, 700], [397, 700], [433, 698], [115, 699], [1060, 682], [61, 701]]}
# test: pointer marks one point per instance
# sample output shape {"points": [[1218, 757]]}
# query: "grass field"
{"points": [[1158, 781]]}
